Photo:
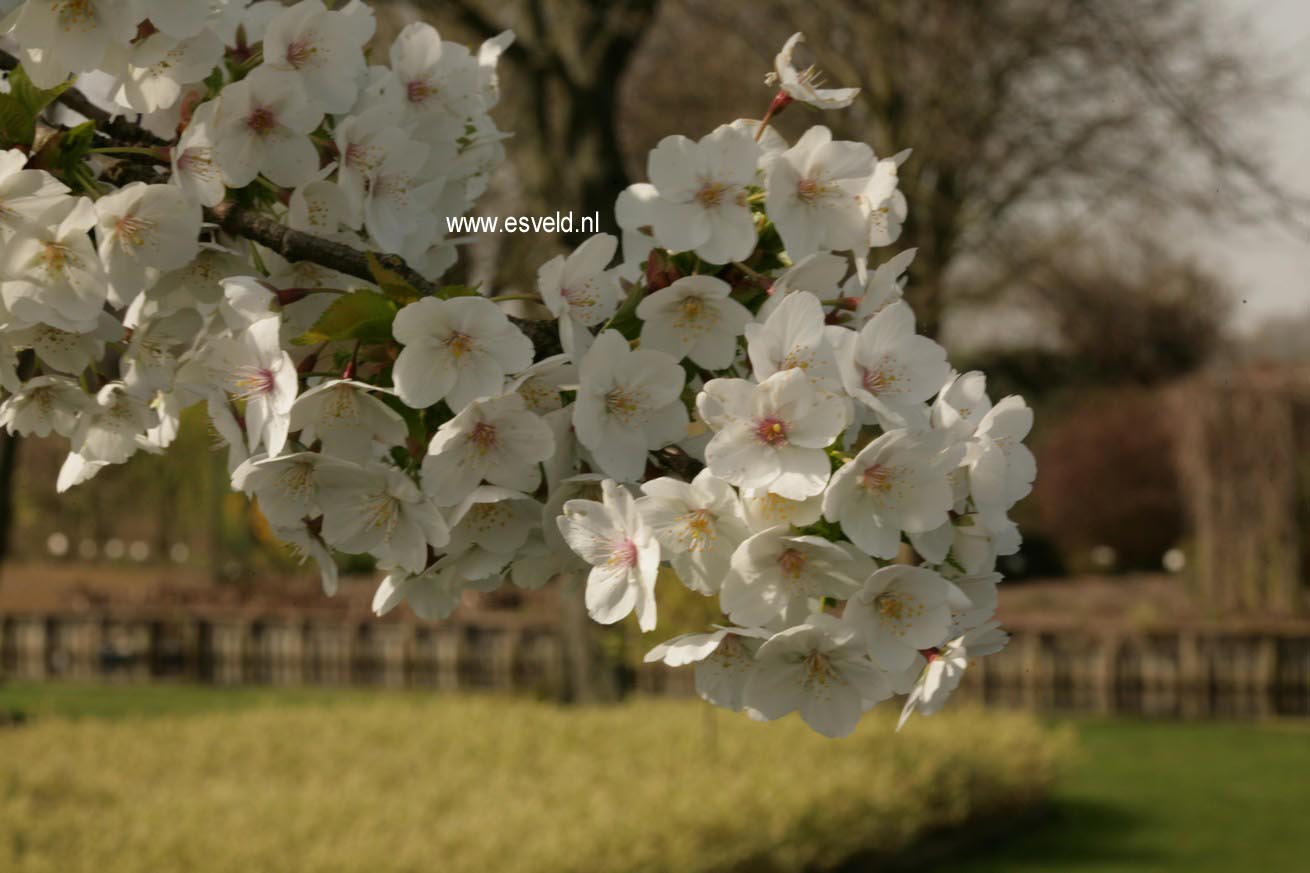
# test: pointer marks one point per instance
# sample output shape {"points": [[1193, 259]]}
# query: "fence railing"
{"points": [[499, 651], [1191, 673]]}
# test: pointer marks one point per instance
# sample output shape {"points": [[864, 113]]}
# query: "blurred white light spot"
{"points": [[139, 550], [115, 549], [57, 544], [87, 549], [179, 553], [1104, 556], [1174, 560]]}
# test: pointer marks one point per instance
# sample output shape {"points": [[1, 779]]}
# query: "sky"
{"points": [[1269, 267]]}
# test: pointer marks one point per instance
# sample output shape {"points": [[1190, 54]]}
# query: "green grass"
{"points": [[1164, 796], [235, 781]]}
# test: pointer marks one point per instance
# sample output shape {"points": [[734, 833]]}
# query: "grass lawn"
{"points": [[382, 782], [1164, 796]]}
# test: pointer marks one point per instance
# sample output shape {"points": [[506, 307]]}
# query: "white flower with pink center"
{"points": [[323, 49], [621, 548], [253, 369], [699, 525], [724, 659], [893, 370], [815, 194], [946, 668], [773, 435], [495, 440], [579, 286], [694, 318], [896, 483], [456, 350], [262, 125], [806, 85], [144, 229], [793, 337], [902, 610], [702, 204], [628, 404], [777, 572], [819, 669]]}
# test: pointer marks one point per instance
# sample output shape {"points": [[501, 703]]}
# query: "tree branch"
{"points": [[295, 245]]}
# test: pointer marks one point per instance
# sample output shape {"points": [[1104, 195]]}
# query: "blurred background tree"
{"points": [[1076, 118]]}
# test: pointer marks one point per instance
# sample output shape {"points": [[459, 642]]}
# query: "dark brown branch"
{"points": [[295, 245]]}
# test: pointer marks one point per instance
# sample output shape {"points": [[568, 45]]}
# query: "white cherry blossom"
{"points": [[891, 369], [628, 404], [194, 168], [379, 510], [774, 434], [776, 570], [698, 524], [724, 659], [24, 194], [252, 367], [323, 49], [901, 610], [456, 350], [946, 668], [50, 273], [621, 548], [813, 194], [347, 419], [44, 405], [804, 85], [143, 228], [578, 285], [496, 440], [819, 669], [896, 483], [262, 125], [694, 318], [702, 204]]}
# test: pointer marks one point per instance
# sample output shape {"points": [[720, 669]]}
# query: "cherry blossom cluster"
{"points": [[734, 391]]}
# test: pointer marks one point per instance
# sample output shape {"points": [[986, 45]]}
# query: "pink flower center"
{"points": [[262, 121], [876, 478], [254, 382], [771, 430], [876, 381], [418, 91], [484, 437], [792, 563], [809, 190], [460, 344], [624, 554], [300, 52], [711, 194], [131, 231]]}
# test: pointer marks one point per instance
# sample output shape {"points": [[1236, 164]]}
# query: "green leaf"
{"points": [[22, 106], [32, 98], [16, 126], [625, 320], [359, 315], [449, 291], [70, 147], [392, 283]]}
